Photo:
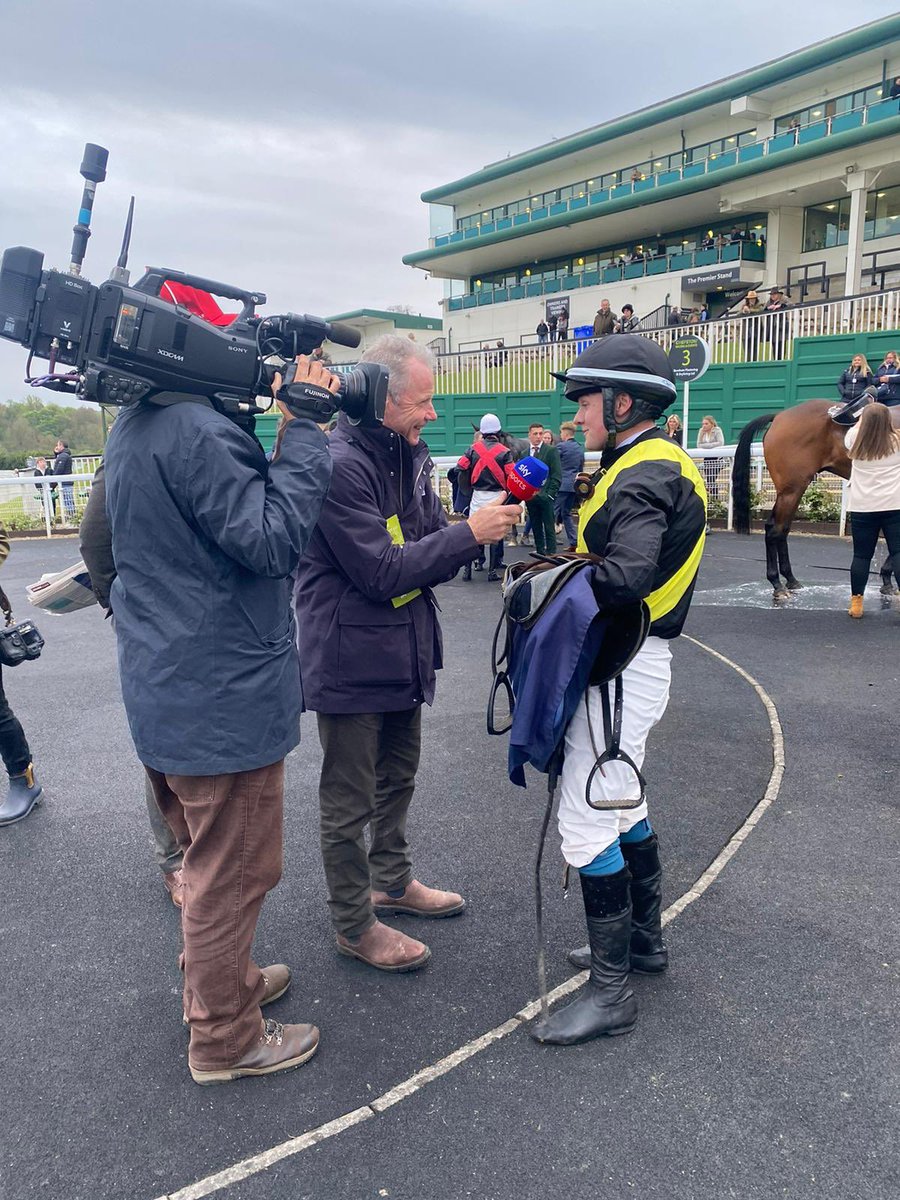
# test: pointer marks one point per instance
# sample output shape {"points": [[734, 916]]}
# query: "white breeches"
{"points": [[586, 831]]}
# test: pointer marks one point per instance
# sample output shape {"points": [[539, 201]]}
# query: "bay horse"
{"points": [[802, 441]]}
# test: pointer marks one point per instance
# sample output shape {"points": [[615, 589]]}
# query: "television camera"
{"points": [[164, 339]]}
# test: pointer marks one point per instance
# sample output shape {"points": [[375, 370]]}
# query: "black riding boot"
{"points": [[606, 1006], [648, 952]]}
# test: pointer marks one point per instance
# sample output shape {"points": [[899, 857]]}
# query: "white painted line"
{"points": [[267, 1158]]}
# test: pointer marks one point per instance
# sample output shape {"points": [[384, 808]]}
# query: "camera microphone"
{"points": [[343, 335], [524, 479]]}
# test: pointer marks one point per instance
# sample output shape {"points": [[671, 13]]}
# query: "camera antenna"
{"points": [[93, 169], [119, 273]]}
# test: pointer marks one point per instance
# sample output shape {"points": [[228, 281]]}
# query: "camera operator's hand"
{"points": [[492, 522], [306, 371]]}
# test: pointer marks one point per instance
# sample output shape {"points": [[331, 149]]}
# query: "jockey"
{"points": [[644, 515], [486, 462]]}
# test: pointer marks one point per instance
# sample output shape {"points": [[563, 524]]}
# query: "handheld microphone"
{"points": [[524, 479]]}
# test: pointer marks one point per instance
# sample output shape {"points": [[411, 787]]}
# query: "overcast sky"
{"points": [[284, 146]]}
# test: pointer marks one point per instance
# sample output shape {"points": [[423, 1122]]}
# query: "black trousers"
{"points": [[865, 527], [13, 743]]}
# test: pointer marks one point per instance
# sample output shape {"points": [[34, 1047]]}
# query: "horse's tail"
{"points": [[740, 474]]}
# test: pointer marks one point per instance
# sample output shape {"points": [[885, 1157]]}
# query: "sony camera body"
{"points": [[148, 342]]}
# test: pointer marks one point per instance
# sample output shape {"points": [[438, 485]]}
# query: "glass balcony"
{"points": [[650, 183], [658, 265]]}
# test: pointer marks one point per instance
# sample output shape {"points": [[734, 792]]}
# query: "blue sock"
{"points": [[607, 862], [637, 833]]}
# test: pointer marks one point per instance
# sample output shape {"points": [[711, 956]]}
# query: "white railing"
{"points": [[766, 337], [52, 503], [716, 467]]}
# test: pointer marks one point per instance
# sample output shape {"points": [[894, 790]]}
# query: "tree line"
{"points": [[30, 427]]}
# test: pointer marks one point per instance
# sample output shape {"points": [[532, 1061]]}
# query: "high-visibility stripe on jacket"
{"points": [[647, 520]]}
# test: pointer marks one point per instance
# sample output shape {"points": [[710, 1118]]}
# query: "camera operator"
{"points": [[370, 644], [204, 535]]}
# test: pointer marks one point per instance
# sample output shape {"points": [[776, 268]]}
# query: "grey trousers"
{"points": [[368, 778], [166, 850]]}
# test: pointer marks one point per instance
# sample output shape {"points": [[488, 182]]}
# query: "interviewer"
{"points": [[205, 533], [370, 644]]}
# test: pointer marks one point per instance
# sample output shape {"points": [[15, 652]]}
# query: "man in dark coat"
{"points": [[62, 465], [605, 320], [571, 458], [370, 645], [205, 533], [541, 509]]}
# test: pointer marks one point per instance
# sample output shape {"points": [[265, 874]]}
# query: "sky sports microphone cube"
{"points": [[526, 478]]}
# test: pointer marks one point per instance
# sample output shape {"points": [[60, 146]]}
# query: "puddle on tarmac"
{"points": [[812, 596]]}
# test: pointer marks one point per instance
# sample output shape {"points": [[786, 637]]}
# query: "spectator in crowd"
{"points": [[552, 322], [321, 356], [24, 790], [887, 377], [874, 448], [855, 379], [605, 320], [541, 508], [636, 256], [751, 308], [500, 353], [486, 462], [62, 465], [547, 437], [704, 312], [370, 647], [542, 331], [708, 438], [895, 89], [636, 176], [562, 326], [673, 428], [776, 310], [674, 315], [571, 458], [41, 470], [628, 322]]}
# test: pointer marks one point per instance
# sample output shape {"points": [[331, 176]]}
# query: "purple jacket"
{"points": [[367, 626]]}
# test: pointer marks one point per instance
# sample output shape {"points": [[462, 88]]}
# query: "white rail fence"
{"points": [[768, 337], [55, 504], [716, 468]]}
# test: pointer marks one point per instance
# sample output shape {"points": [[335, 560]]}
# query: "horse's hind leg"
{"points": [[778, 561], [889, 567]]}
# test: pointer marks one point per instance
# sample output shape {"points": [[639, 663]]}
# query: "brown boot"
{"points": [[385, 949], [276, 980], [174, 884], [856, 606], [419, 901], [280, 1048]]}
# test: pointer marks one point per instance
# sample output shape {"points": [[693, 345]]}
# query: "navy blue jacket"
{"points": [[204, 536], [367, 624], [852, 384], [888, 393], [571, 457]]}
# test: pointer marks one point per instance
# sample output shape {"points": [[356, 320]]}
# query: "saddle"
{"points": [[846, 415]]}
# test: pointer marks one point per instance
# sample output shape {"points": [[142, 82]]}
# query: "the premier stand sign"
{"points": [[689, 359]]}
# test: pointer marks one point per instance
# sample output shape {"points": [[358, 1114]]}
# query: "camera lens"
{"points": [[354, 393]]}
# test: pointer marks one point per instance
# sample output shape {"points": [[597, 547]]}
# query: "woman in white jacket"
{"points": [[874, 449]]}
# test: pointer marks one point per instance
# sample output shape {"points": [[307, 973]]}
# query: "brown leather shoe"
{"points": [[385, 949], [174, 884], [280, 1048], [276, 979], [419, 901]]}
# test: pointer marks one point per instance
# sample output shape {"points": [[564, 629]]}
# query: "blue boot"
{"points": [[24, 794]]}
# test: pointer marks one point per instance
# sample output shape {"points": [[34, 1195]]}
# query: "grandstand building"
{"points": [[784, 175]]}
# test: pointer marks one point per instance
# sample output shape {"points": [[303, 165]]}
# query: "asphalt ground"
{"points": [[765, 1063]]}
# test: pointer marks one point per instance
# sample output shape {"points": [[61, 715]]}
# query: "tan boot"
{"points": [[173, 882], [276, 981], [419, 901], [856, 606], [385, 949], [280, 1048]]}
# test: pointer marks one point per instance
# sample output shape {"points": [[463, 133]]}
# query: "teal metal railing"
{"points": [[825, 128], [739, 251]]}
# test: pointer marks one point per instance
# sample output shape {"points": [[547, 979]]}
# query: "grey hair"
{"points": [[398, 354]]}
